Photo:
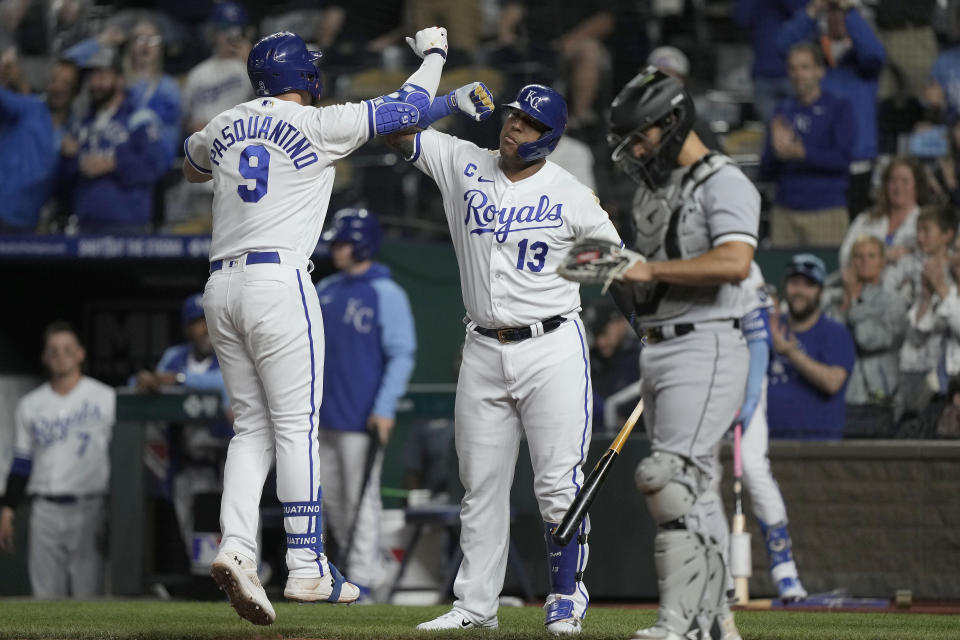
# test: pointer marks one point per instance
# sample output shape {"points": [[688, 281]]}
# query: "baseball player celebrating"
{"points": [[696, 217], [271, 162], [62, 447], [513, 217]]}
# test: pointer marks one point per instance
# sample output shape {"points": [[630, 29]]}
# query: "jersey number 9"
{"points": [[257, 170]]}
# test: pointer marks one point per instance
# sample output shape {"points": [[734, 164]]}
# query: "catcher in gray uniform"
{"points": [[695, 220]]}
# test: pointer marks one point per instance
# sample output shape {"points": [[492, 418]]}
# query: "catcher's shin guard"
{"points": [[568, 598], [690, 577]]}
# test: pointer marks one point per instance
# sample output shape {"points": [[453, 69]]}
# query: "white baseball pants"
{"points": [[266, 328], [758, 480], [66, 547], [692, 386], [538, 388], [343, 455]]}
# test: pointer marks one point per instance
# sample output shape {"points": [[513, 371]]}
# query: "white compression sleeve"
{"points": [[428, 75]]}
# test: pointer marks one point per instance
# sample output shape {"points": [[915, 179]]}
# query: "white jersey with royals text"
{"points": [[272, 164], [510, 237], [67, 438]]}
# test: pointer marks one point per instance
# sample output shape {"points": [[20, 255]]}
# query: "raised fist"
{"points": [[475, 101], [429, 40]]}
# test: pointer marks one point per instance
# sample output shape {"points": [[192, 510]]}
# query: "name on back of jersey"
{"points": [[283, 134]]}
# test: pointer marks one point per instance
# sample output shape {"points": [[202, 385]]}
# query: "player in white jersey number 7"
{"points": [[272, 164], [513, 217]]}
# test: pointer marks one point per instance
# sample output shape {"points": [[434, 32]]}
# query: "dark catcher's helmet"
{"points": [[651, 99]]}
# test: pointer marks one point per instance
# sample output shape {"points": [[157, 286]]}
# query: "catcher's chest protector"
{"points": [[670, 222]]}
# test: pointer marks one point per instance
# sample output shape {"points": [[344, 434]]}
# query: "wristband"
{"points": [[440, 108]]}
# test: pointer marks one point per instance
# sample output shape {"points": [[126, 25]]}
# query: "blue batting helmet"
{"points": [[360, 228], [547, 107], [192, 309], [280, 63]]}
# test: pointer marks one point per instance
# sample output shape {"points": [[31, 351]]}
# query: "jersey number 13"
{"points": [[538, 255]]}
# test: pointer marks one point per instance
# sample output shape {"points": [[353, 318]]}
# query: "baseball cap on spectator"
{"points": [[103, 58], [670, 60], [809, 265], [228, 15]]}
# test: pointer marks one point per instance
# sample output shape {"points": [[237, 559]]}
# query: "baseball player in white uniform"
{"points": [[61, 457], [271, 162], [513, 217], [758, 478], [696, 217]]}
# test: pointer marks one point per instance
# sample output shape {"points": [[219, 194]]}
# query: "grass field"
{"points": [[196, 620]]}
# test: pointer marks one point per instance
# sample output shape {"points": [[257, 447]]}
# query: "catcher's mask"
{"points": [[651, 99]]}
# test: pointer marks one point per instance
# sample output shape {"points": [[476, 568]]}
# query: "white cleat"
{"points": [[319, 589], [567, 627], [791, 590], [728, 631], [728, 628], [561, 620], [455, 620], [332, 587], [237, 577], [656, 633]]}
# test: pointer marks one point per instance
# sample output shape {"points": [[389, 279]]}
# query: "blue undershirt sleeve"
{"points": [[759, 344]]}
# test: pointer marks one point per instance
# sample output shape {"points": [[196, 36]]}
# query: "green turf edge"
{"points": [[150, 620]]}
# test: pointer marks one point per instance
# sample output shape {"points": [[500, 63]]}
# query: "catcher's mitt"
{"points": [[598, 262]]}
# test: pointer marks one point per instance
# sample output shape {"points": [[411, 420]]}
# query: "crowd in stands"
{"points": [[846, 113]]}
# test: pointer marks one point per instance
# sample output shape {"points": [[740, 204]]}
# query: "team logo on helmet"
{"points": [[533, 99], [547, 107]]}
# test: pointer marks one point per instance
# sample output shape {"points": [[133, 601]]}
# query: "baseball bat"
{"points": [[581, 504], [373, 447], [740, 562]]}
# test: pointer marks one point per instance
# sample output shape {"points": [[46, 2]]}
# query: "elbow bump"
{"points": [[400, 110]]}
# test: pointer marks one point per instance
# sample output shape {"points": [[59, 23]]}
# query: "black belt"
{"points": [[657, 334], [64, 499], [516, 334], [254, 257]]}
